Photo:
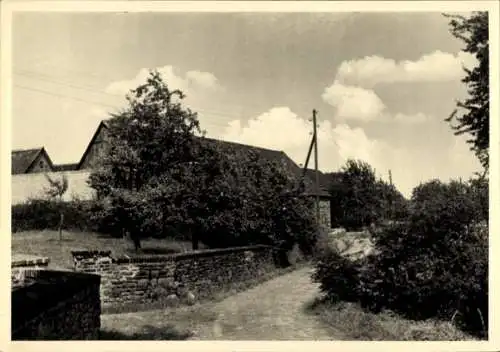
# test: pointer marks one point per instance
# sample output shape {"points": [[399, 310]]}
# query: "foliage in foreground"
{"points": [[435, 265]]}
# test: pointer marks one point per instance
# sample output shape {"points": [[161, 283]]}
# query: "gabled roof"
{"points": [[102, 124], [22, 160]]}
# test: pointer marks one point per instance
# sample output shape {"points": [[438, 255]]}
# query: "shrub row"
{"points": [[87, 215], [43, 214]]}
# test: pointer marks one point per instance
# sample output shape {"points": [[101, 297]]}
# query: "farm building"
{"points": [[95, 149], [31, 161], [98, 143], [77, 173], [30, 169]]}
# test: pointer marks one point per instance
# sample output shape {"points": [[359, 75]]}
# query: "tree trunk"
{"points": [[61, 221], [194, 240], [137, 241]]}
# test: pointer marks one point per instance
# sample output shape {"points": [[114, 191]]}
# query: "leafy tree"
{"points": [[256, 202], [56, 190], [152, 135], [151, 138], [474, 119], [479, 192], [394, 204], [442, 209], [357, 197], [159, 177]]}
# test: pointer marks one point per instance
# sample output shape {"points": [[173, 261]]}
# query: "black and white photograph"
{"points": [[249, 175]]}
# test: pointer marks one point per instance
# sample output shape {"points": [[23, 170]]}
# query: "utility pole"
{"points": [[315, 136], [391, 202], [314, 143]]}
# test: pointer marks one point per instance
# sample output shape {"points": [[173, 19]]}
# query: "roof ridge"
{"points": [[27, 149], [242, 144]]}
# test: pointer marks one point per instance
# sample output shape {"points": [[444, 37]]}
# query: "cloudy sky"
{"points": [[382, 83]]}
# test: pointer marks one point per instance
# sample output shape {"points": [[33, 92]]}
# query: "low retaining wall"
{"points": [[56, 305], [176, 278], [20, 264]]}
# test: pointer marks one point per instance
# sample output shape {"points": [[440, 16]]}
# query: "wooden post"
{"points": [[315, 134]]}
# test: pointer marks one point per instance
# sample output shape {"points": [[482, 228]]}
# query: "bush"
{"points": [[433, 265], [337, 276], [44, 214]]}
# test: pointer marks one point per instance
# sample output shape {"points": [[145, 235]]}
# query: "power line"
{"points": [[209, 123], [96, 90], [51, 80], [63, 96], [97, 77], [29, 73], [217, 119]]}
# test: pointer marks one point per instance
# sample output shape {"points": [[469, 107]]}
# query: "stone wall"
{"points": [[21, 264], [56, 305], [172, 279]]}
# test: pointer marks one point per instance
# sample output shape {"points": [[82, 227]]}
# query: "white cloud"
{"points": [[191, 82], [356, 103], [202, 79], [202, 89], [353, 102], [281, 129], [434, 67]]}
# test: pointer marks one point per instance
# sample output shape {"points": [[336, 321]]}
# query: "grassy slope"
{"points": [[357, 324], [47, 244]]}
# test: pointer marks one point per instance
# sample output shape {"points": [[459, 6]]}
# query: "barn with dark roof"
{"points": [[30, 161], [97, 146], [37, 160]]}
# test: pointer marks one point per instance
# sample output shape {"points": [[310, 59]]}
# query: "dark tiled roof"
{"points": [[22, 159], [267, 154], [66, 167], [276, 156]]}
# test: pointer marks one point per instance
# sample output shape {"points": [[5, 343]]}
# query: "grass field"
{"points": [[47, 244], [356, 324]]}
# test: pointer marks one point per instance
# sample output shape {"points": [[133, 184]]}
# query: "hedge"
{"points": [[42, 214]]}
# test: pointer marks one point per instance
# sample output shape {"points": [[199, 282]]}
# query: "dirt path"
{"points": [[273, 310]]}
